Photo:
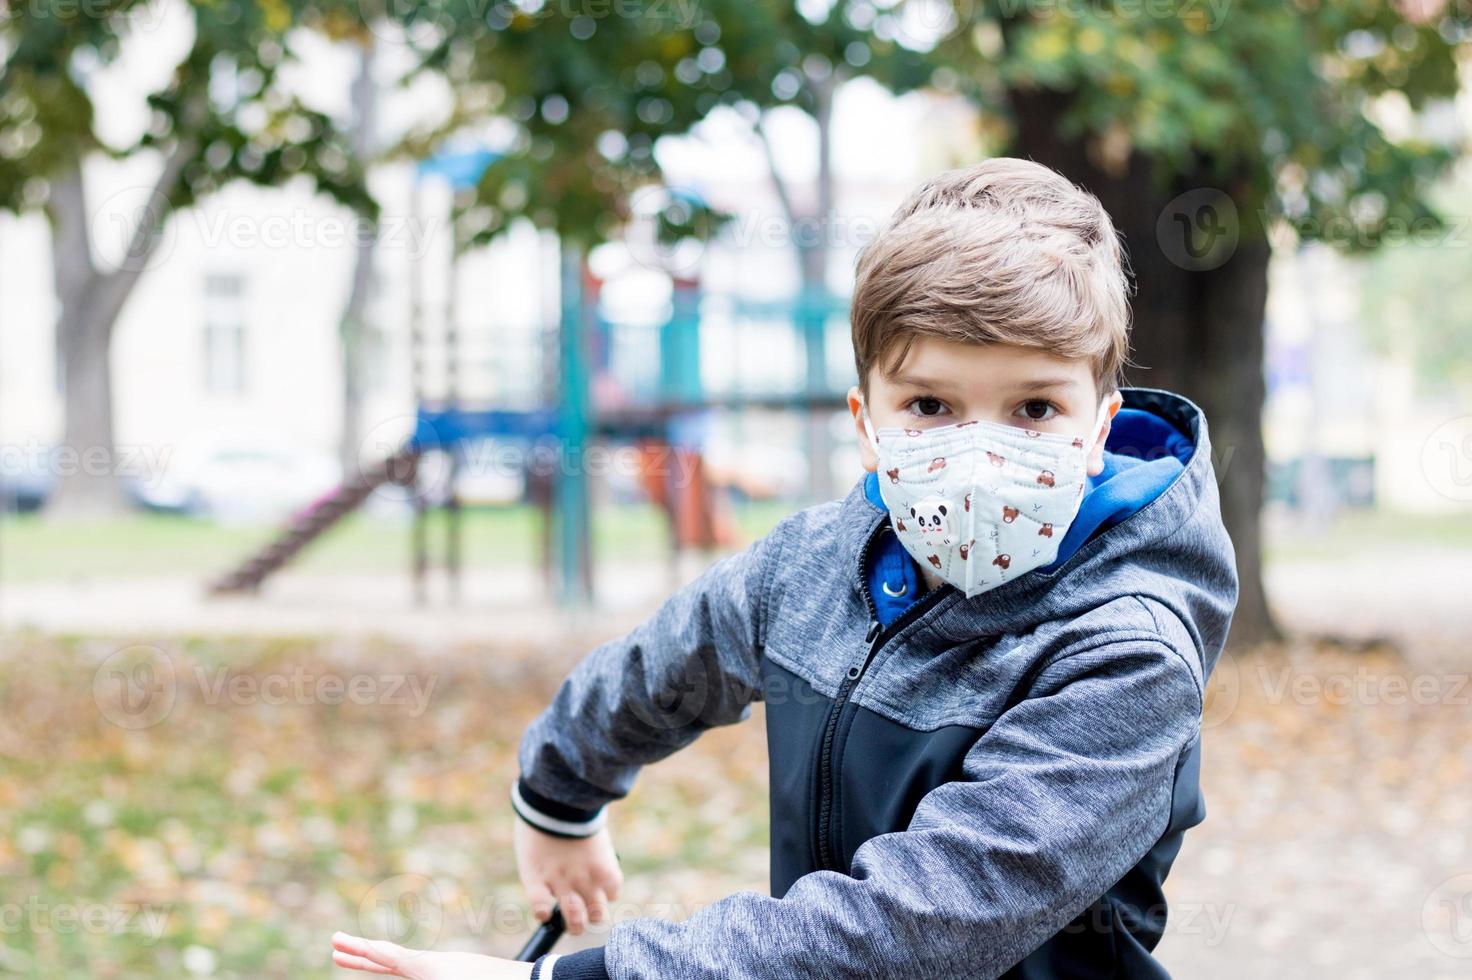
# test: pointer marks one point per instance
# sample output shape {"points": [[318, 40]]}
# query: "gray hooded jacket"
{"points": [[985, 787]]}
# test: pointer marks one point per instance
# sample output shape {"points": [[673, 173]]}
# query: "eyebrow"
{"points": [[1046, 384], [915, 381], [1024, 387]]}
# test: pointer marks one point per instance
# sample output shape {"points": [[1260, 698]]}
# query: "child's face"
{"points": [[942, 382]]}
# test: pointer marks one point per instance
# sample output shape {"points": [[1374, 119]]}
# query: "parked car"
{"points": [[240, 482], [27, 477]]}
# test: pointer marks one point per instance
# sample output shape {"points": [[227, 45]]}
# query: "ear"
{"points": [[866, 448], [1096, 451]]}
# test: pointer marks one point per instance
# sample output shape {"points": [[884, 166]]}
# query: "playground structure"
{"points": [[598, 380]]}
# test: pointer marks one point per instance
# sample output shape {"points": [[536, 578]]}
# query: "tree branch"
{"points": [[778, 183], [112, 289]]}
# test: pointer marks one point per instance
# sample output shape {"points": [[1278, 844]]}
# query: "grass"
{"points": [[1356, 533], [136, 545], [33, 548]]}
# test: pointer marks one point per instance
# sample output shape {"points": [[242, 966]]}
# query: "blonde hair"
{"points": [[1006, 251]]}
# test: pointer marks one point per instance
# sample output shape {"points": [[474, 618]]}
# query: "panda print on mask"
{"points": [[933, 517]]}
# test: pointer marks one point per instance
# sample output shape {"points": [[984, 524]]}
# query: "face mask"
{"points": [[980, 503]]}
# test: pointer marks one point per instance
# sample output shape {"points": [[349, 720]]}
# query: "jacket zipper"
{"points": [[826, 855]]}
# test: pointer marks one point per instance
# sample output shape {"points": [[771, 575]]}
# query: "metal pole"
{"points": [[813, 321], [452, 399], [570, 486], [419, 543]]}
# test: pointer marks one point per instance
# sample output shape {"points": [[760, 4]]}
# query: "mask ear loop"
{"points": [[1099, 423], [868, 426]]}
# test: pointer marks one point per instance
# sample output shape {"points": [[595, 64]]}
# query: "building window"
{"points": [[224, 333]]}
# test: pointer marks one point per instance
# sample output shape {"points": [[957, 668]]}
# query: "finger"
{"points": [[574, 911], [540, 897], [597, 904], [378, 951], [350, 962], [612, 882]]}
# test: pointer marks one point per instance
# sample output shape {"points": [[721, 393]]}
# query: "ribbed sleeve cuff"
{"points": [[585, 964], [555, 818]]}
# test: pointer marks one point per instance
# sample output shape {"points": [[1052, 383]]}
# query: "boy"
{"points": [[983, 669]]}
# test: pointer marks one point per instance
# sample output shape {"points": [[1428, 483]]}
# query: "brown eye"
{"points": [[1037, 410], [927, 406]]}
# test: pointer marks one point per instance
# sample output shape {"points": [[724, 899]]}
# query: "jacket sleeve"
{"points": [[1062, 795], [694, 664]]}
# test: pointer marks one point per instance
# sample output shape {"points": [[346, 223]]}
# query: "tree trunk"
{"points": [[1197, 326], [813, 256], [351, 326], [811, 244], [87, 480], [91, 301]]}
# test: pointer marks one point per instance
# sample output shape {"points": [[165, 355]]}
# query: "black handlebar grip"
{"points": [[544, 938]]}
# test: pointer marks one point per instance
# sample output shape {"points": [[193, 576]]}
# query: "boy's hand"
{"points": [[392, 960], [579, 874]]}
